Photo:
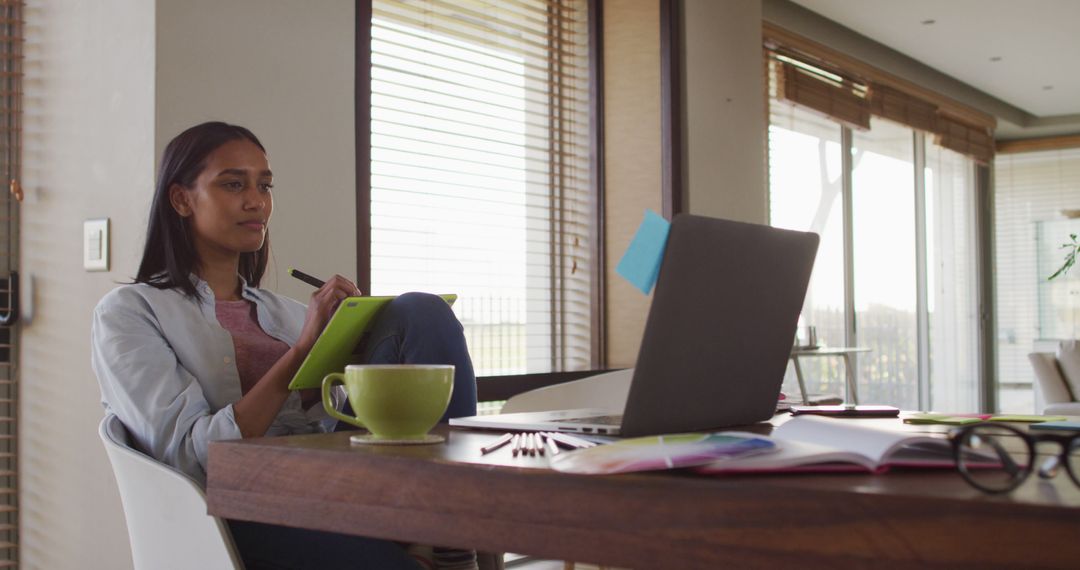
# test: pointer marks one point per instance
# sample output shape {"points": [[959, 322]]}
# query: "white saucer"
{"points": [[369, 439]]}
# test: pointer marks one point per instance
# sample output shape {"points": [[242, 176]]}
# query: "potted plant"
{"points": [[1070, 256]]}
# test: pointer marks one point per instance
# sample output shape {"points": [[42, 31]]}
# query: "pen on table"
{"points": [[580, 441], [313, 281], [530, 448], [541, 447], [553, 436], [571, 441], [536, 444], [505, 439], [553, 449], [517, 444]]}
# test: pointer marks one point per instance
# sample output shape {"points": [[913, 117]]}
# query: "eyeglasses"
{"points": [[997, 458]]}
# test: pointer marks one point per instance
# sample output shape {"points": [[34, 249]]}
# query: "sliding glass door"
{"points": [[806, 193], [883, 232], [910, 266]]}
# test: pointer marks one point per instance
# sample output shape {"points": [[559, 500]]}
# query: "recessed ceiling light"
{"points": [[928, 22], [996, 58]]}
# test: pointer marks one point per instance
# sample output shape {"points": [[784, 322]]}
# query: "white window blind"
{"points": [[480, 172], [1034, 196], [11, 78], [952, 279]]}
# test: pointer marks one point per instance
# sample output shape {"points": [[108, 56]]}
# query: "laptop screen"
{"points": [[721, 326]]}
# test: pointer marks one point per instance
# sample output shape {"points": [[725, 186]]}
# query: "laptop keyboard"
{"points": [[602, 420]]}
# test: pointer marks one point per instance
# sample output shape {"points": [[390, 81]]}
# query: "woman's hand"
{"points": [[324, 302]]}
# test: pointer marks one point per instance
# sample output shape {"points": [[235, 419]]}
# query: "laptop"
{"points": [[717, 339]]}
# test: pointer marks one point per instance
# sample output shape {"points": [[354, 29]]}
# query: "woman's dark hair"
{"points": [[169, 256]]}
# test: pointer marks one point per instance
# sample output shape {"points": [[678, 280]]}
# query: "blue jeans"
{"points": [[415, 328], [419, 328]]}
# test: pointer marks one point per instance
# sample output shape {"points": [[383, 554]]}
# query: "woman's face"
{"points": [[230, 203]]}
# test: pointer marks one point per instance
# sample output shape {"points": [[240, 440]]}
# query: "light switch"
{"points": [[96, 244]]}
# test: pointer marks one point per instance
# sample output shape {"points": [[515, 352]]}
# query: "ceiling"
{"points": [[1025, 53]]}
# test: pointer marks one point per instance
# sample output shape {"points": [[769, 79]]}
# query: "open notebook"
{"points": [[814, 443]]}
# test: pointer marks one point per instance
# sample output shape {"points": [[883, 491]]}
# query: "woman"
{"points": [[193, 351]]}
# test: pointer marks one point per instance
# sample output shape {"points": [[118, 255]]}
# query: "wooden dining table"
{"points": [[451, 494]]}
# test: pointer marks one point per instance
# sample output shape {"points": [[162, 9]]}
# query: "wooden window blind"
{"points": [[849, 92], [823, 91], [480, 172], [900, 107], [970, 140], [11, 38]]}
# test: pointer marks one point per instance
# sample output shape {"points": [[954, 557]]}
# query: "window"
{"points": [[1036, 203], [905, 285], [805, 193], [480, 172], [952, 285], [883, 228]]}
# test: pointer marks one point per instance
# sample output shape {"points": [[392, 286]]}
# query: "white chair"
{"points": [[165, 510], [1058, 377], [606, 391]]}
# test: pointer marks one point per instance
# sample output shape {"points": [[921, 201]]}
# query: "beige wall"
{"points": [[89, 120], [285, 70], [631, 156], [724, 123]]}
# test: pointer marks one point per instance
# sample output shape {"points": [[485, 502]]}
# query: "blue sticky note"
{"points": [[640, 265], [1064, 425]]}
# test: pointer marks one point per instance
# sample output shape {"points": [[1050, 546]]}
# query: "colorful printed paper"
{"points": [[640, 265], [661, 452]]}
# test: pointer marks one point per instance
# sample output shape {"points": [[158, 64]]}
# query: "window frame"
{"points": [[362, 98], [986, 384]]}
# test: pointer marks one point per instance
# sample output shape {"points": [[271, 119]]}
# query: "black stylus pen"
{"points": [[313, 281]]}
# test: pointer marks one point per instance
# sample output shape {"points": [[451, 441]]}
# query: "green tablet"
{"points": [[339, 344]]}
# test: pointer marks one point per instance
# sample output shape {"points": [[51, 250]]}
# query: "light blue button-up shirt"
{"points": [[167, 369]]}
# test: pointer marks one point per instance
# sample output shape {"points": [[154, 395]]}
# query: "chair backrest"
{"points": [[605, 391], [1048, 374], [165, 510]]}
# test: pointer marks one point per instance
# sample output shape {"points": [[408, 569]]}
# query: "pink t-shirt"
{"points": [[256, 351]]}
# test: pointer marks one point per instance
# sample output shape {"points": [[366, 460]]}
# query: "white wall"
{"points": [[95, 125], [724, 121], [285, 70], [88, 123]]}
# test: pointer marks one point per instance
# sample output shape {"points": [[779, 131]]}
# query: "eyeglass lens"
{"points": [[1074, 460], [993, 458], [996, 458]]}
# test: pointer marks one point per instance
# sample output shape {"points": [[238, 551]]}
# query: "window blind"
{"points": [[480, 172], [849, 92], [897, 106], [11, 39], [1033, 193], [823, 91], [970, 140]]}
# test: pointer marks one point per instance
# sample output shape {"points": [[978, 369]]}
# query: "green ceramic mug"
{"points": [[393, 401]]}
